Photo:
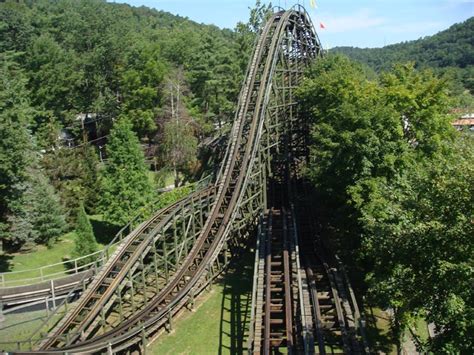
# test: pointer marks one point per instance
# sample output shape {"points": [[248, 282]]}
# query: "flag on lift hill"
{"points": [[321, 25], [312, 3]]}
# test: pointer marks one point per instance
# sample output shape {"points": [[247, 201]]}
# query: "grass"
{"points": [[421, 329], [219, 325], [18, 327], [41, 255], [379, 334]]}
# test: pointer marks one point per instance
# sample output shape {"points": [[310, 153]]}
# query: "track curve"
{"points": [[266, 129]]}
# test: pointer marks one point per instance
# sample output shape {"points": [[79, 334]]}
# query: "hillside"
{"points": [[451, 49], [71, 71], [90, 56]]}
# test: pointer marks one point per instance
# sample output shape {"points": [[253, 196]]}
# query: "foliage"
{"points": [[396, 184], [451, 49], [141, 82], [15, 114], [125, 186], [30, 209], [48, 217], [85, 242], [179, 147], [70, 58], [418, 234], [93, 56], [35, 214], [170, 197], [74, 173]]}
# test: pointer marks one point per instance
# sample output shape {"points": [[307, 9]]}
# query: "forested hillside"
{"points": [[449, 50], [72, 69]]}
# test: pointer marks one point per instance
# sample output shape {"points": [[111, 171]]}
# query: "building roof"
{"points": [[464, 122]]}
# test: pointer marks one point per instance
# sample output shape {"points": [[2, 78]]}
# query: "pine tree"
{"points": [[15, 113], [48, 216], [125, 186], [19, 228], [85, 240], [74, 174]]}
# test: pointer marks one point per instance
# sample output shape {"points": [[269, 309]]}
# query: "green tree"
{"points": [[418, 233], [53, 78], [74, 173], [85, 242], [15, 140], [354, 135], [125, 186], [395, 188], [35, 214], [141, 87], [48, 217]]}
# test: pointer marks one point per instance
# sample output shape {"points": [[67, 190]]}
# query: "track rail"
{"points": [[336, 323], [266, 109], [274, 328]]}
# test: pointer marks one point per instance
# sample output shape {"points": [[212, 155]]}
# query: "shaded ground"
{"points": [[220, 322], [379, 335]]}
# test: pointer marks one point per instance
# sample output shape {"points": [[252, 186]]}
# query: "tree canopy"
{"points": [[395, 183]]}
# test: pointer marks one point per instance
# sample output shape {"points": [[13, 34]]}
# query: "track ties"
{"points": [[274, 315]]}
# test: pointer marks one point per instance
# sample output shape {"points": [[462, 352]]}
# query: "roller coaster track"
{"points": [[167, 261]]}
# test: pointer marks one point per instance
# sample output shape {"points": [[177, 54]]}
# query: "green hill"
{"points": [[449, 50]]}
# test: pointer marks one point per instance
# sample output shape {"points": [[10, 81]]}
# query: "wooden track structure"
{"points": [[160, 267]]}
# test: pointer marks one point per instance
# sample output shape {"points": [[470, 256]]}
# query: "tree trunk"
{"points": [[176, 177]]}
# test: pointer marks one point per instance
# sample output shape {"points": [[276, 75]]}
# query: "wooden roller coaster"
{"points": [[161, 266]]}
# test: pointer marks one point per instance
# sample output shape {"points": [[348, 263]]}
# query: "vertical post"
{"points": [[133, 293], [165, 254], [201, 218], [144, 340], [225, 254], [175, 239], [75, 266], [53, 294], [102, 318], [46, 304], [109, 349], [2, 316], [191, 299], [119, 295], [170, 324], [142, 265], [155, 264]]}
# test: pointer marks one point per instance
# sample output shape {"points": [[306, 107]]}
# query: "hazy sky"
{"points": [[360, 23]]}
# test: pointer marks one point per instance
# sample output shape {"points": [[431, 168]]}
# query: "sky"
{"points": [[358, 23]]}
